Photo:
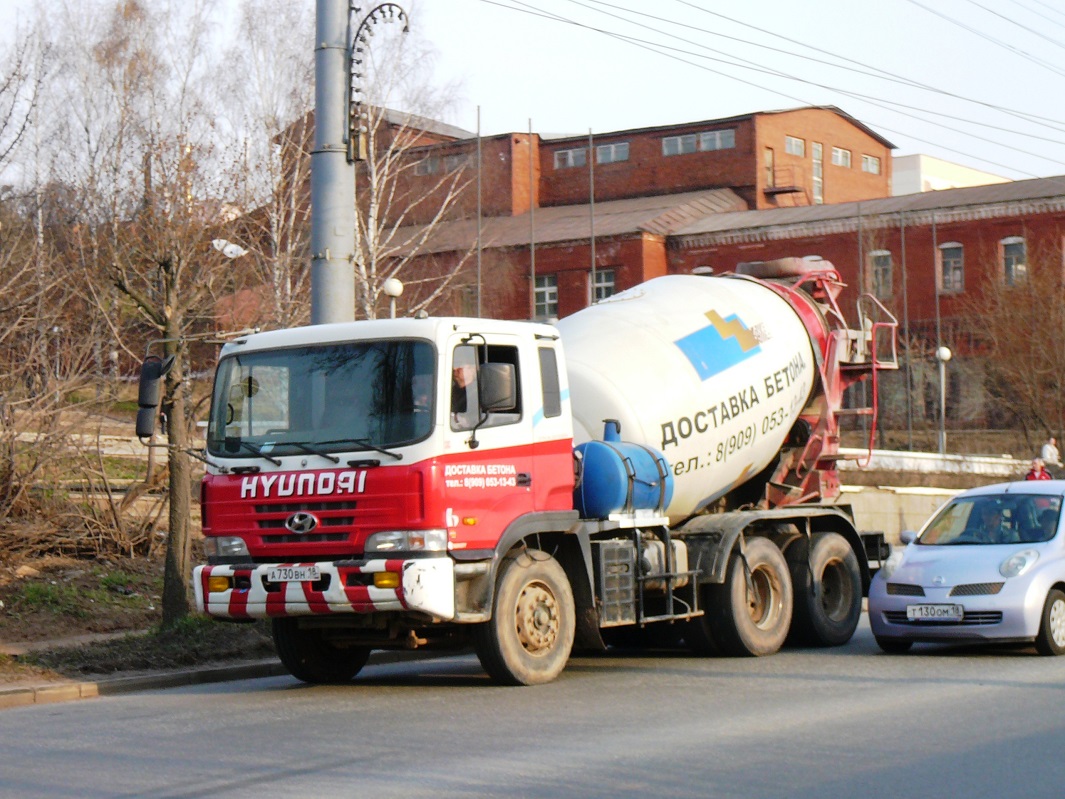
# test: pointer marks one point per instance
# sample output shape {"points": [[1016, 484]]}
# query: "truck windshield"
{"points": [[314, 400]]}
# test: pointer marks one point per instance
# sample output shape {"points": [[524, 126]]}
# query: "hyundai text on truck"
{"points": [[661, 465]]}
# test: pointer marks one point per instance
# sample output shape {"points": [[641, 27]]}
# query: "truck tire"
{"points": [[530, 636], [745, 624], [308, 656], [828, 591]]}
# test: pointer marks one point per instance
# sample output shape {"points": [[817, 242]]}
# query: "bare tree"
{"points": [[1019, 327]]}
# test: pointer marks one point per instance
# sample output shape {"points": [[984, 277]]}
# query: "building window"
{"points": [[546, 297], [679, 145], [841, 157], [707, 141], [565, 159], [604, 284], [1014, 260], [612, 153], [817, 153], [427, 166], [871, 164], [794, 146], [717, 139], [882, 271], [453, 163], [951, 268], [767, 167]]}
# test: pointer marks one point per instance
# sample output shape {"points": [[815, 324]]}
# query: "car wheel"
{"points": [[893, 646], [1051, 638]]}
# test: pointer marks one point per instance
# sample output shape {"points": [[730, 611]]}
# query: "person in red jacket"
{"points": [[1038, 471]]}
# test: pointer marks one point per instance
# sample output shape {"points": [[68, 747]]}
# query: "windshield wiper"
{"points": [[308, 448], [365, 443], [255, 448]]}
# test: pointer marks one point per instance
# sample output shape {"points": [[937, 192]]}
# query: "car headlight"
{"points": [[1018, 563], [407, 541], [225, 546], [892, 563]]}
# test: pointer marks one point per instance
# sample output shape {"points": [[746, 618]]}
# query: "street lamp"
{"points": [[393, 287], [943, 354]]}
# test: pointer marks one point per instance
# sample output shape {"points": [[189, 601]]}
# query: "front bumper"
{"points": [[1010, 616], [426, 585]]}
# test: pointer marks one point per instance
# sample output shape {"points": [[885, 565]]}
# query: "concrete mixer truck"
{"points": [[659, 467]]}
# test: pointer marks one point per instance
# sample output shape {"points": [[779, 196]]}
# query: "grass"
{"points": [[194, 641]]}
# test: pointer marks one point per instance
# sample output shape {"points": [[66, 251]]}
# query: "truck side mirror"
{"points": [[496, 387], [153, 370]]}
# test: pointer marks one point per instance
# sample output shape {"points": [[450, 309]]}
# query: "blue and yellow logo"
{"points": [[723, 344]]}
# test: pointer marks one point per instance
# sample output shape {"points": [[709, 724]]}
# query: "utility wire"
{"points": [[744, 63], [1015, 50], [654, 47], [1032, 31], [1051, 123], [1038, 14]]}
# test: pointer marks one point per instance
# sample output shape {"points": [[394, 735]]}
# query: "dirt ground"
{"points": [[59, 597]]}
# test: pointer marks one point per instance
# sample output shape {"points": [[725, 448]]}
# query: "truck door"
{"points": [[489, 453]]}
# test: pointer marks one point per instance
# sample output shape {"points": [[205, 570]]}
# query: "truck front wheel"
{"points": [[749, 615], [308, 656], [828, 590], [529, 639]]}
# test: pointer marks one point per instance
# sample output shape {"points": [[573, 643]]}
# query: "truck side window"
{"points": [[465, 409], [552, 393]]}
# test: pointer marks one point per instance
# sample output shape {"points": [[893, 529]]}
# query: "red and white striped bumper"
{"points": [[425, 584]]}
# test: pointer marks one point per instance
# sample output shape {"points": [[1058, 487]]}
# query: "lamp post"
{"points": [[943, 354], [393, 287]]}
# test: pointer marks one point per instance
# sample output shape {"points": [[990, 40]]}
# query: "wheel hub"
{"points": [[537, 618], [1057, 623]]}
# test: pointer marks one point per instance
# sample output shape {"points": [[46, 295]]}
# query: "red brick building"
{"points": [[551, 208]]}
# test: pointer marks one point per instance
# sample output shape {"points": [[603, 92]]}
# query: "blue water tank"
{"points": [[615, 476]]}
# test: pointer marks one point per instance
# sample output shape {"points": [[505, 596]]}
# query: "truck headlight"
{"points": [[407, 541], [1018, 563], [225, 546]]}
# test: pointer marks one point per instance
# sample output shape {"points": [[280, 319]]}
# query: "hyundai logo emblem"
{"points": [[301, 522]]}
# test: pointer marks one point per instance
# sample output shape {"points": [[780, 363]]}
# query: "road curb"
{"points": [[48, 693], [21, 696]]}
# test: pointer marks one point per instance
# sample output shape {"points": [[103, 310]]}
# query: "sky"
{"points": [[976, 82]]}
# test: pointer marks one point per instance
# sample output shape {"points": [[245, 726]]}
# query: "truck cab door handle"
{"points": [[524, 479]]}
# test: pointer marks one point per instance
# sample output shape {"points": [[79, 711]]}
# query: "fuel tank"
{"points": [[712, 371]]}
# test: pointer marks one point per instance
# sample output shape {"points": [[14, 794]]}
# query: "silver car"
{"points": [[988, 566]]}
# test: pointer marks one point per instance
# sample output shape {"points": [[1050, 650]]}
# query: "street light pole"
{"points": [[943, 354]]}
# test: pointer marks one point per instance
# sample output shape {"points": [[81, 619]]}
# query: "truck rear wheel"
{"points": [[828, 590], [742, 620], [529, 639], [308, 656]]}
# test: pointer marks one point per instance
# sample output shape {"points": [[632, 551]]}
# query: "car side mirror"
{"points": [[908, 536], [153, 370], [496, 387]]}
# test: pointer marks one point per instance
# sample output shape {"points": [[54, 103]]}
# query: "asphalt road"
{"points": [[846, 722]]}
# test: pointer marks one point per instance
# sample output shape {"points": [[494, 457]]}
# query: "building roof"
{"points": [[726, 120], [660, 215], [1040, 195]]}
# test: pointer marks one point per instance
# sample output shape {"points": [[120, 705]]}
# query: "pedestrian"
{"points": [[1049, 453], [1038, 471]]}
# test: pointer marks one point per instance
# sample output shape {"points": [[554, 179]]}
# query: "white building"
{"points": [[915, 173]]}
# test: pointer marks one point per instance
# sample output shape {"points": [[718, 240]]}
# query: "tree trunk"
{"points": [[177, 573]]}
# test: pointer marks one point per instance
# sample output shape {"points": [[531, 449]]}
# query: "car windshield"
{"points": [[994, 519], [350, 396]]}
